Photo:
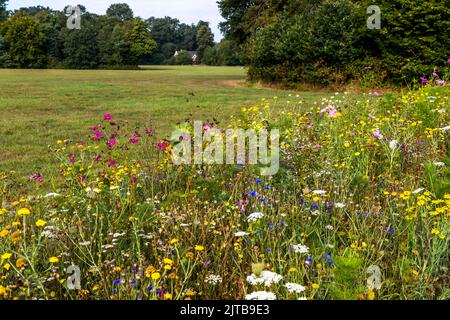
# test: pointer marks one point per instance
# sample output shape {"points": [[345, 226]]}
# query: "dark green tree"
{"points": [[3, 11], [205, 40], [141, 44], [121, 11]]}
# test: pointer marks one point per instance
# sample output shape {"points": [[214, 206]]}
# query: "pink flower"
{"points": [[448, 60], [107, 117], [206, 127], [98, 158], [134, 140], [162, 145], [441, 82], [424, 80], [112, 163], [72, 158], [332, 112], [372, 117], [377, 134], [435, 75], [150, 131], [112, 143]]}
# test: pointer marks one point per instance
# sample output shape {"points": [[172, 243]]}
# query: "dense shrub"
{"points": [[329, 43]]}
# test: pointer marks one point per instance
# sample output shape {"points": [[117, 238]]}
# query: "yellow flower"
{"points": [[357, 154], [24, 212], [168, 261], [4, 233], [168, 267], [15, 203], [173, 241], [6, 256], [315, 286], [292, 270], [168, 296], [319, 266], [20, 263], [40, 223], [156, 276], [53, 260], [7, 266], [2, 211], [2, 291], [435, 231], [199, 248]]}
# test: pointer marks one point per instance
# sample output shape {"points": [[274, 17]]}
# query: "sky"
{"points": [[187, 11]]}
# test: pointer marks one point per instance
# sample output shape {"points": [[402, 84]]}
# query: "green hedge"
{"points": [[330, 43]]}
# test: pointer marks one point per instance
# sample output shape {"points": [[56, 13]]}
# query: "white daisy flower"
{"points": [[255, 216]]}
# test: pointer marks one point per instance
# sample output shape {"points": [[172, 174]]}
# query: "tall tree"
{"points": [[141, 44], [205, 40], [3, 12], [24, 40], [121, 11]]}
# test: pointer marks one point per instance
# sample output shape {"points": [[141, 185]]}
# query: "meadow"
{"points": [[359, 209], [50, 105]]}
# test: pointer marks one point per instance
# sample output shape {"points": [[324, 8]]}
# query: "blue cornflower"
{"points": [[327, 256], [252, 194], [330, 262], [271, 225], [262, 199], [150, 288], [309, 260], [133, 283], [116, 282], [267, 187], [314, 206], [258, 181], [268, 250]]}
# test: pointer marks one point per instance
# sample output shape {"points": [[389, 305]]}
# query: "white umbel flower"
{"points": [[294, 287], [266, 277], [299, 248], [255, 216], [261, 295], [241, 234]]}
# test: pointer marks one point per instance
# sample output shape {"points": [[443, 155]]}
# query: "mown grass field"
{"points": [[39, 107]]}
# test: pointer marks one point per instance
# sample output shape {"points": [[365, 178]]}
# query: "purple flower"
{"points": [[107, 117], [134, 140]]}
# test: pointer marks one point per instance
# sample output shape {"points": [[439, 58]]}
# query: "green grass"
{"points": [[38, 107]]}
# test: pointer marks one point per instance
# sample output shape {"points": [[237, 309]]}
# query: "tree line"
{"points": [[328, 41], [38, 37]]}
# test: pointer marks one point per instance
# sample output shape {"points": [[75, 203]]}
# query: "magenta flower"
{"points": [[107, 117], [424, 80], [332, 112], [206, 127], [98, 158], [112, 163], [435, 75], [448, 60], [72, 158], [112, 143], [441, 82], [134, 140], [162, 145]]}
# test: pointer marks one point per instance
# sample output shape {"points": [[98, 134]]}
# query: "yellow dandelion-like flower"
{"points": [[20, 263], [156, 276], [2, 211], [174, 241], [199, 248], [168, 296], [168, 261], [7, 266], [315, 286], [40, 223], [24, 212], [4, 233], [6, 256], [53, 260]]}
